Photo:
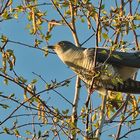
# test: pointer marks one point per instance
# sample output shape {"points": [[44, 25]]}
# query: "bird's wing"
{"points": [[115, 57]]}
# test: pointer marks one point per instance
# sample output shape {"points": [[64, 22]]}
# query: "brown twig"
{"points": [[87, 39], [125, 135], [27, 45], [61, 15], [54, 89], [6, 5], [102, 116], [134, 32], [18, 102], [87, 116], [97, 44], [97, 34], [32, 93], [120, 124], [78, 81], [116, 113]]}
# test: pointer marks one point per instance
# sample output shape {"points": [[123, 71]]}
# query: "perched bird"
{"points": [[113, 71]]}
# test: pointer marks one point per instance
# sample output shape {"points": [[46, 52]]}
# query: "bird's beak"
{"points": [[51, 47]]}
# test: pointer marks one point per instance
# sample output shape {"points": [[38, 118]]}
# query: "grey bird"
{"points": [[114, 70]]}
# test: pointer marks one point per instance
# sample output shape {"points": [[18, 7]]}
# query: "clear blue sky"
{"points": [[50, 67]]}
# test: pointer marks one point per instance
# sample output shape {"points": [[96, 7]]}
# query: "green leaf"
{"points": [[4, 106], [46, 51], [137, 17], [39, 134], [10, 51], [68, 12], [6, 81], [48, 86], [96, 125], [34, 81], [5, 15], [11, 95], [103, 52], [94, 117], [65, 112], [6, 130], [103, 6], [15, 16], [65, 4], [16, 132], [48, 37], [4, 39], [116, 56], [22, 79], [105, 36], [28, 132], [82, 20]]}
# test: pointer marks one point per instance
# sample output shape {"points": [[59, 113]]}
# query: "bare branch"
{"points": [[5, 6], [102, 116], [120, 125], [125, 135]]}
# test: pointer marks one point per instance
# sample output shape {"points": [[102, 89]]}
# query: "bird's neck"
{"points": [[71, 54]]}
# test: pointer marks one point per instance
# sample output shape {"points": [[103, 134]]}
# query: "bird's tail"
{"points": [[128, 86]]}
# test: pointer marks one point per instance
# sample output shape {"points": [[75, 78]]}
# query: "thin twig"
{"points": [[78, 81], [16, 101], [6, 5], [97, 43], [134, 32], [125, 135], [61, 15], [53, 89], [23, 44], [116, 113], [87, 115], [32, 93], [120, 125], [87, 39]]}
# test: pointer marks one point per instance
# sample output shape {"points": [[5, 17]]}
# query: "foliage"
{"points": [[108, 24]]}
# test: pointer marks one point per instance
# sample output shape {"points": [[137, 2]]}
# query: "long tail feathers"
{"points": [[128, 86]]}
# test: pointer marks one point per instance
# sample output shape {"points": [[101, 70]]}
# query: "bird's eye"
{"points": [[61, 43]]}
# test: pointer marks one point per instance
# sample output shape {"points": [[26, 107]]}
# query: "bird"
{"points": [[114, 70]]}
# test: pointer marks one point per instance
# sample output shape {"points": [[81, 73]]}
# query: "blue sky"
{"points": [[50, 68]]}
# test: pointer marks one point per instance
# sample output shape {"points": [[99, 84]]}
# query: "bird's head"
{"points": [[62, 47]]}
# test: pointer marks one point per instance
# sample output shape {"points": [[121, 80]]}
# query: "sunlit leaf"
{"points": [[137, 17], [65, 112], [34, 81], [5, 15], [5, 106], [94, 117], [105, 36], [6, 130], [16, 132], [6, 81], [11, 95], [4, 38], [116, 56], [48, 37], [28, 132]]}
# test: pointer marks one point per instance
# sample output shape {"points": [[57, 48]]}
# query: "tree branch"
{"points": [[4, 7], [120, 125], [125, 135], [134, 32], [78, 81], [102, 116]]}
